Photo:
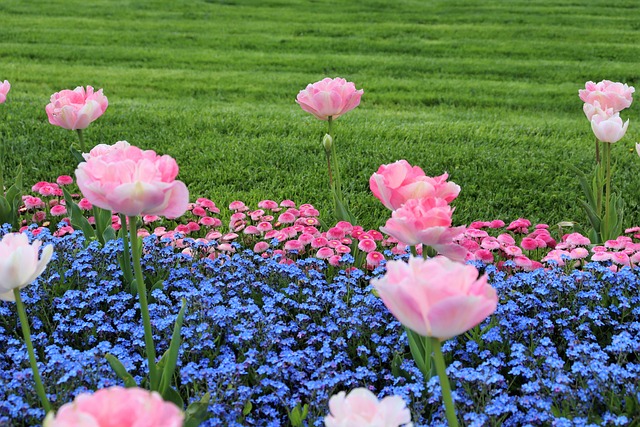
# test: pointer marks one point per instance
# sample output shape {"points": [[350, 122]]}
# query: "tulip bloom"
{"points": [[426, 221], [76, 109], [395, 183], [363, 409], [609, 128], [436, 298], [329, 98], [131, 181], [117, 406], [607, 94], [19, 264], [4, 89]]}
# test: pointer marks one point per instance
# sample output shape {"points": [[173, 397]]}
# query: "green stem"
{"points": [[328, 153], [81, 138], [26, 332], [414, 251], [607, 192], [126, 257], [136, 250], [334, 160], [444, 383], [597, 151]]}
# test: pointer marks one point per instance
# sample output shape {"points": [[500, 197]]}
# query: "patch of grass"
{"points": [[486, 91]]}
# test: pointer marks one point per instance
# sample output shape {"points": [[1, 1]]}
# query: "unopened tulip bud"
{"points": [[327, 141], [638, 148]]}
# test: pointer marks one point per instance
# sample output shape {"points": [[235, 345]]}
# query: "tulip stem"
{"points": [[438, 358], [81, 138], [136, 251], [597, 151], [607, 192], [26, 332], [126, 255]]}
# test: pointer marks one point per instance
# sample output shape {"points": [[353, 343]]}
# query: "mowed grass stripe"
{"points": [[487, 92]]}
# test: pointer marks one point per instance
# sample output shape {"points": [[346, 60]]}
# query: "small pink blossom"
{"points": [[58, 210], [286, 218], [64, 180], [324, 253], [335, 233], [529, 244], [367, 245], [293, 245], [374, 258], [579, 253], [306, 238], [288, 203], [260, 247], [342, 249], [484, 255], [619, 258], [237, 205], [265, 226], [32, 202], [345, 226], [335, 260]]}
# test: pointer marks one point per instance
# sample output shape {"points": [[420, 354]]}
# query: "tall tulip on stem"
{"points": [[437, 299], [133, 182], [603, 102], [4, 89], [19, 266], [76, 109], [327, 100]]}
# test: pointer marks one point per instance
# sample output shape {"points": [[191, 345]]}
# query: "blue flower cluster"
{"points": [[264, 338]]}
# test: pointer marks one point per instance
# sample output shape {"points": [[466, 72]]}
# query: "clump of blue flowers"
{"points": [[264, 338]]}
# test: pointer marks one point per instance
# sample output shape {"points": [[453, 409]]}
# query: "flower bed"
{"points": [[265, 336]]}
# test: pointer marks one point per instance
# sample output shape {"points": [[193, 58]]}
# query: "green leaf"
{"points": [[171, 395], [247, 408], [197, 412], [172, 352], [593, 217], [109, 234], [420, 356], [121, 371], [76, 155], [78, 220]]}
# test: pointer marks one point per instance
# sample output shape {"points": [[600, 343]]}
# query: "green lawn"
{"points": [[484, 90]]}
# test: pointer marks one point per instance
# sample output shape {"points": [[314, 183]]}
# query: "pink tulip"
{"points": [[607, 94], [133, 182], [436, 298], [398, 182], [362, 408], [4, 89], [426, 221], [19, 264], [591, 110], [329, 98], [609, 129], [76, 109], [117, 406]]}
